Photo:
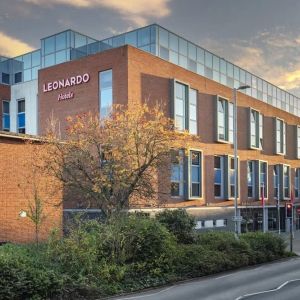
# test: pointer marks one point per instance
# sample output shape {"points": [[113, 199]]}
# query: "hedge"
{"points": [[126, 254]]}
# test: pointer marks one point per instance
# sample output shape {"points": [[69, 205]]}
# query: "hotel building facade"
{"points": [[72, 73]]}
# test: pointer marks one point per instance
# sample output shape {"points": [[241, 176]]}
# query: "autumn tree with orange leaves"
{"points": [[111, 161]]}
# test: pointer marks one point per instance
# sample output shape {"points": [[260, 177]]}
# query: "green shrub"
{"points": [[127, 253], [136, 239], [238, 251], [24, 276], [195, 261], [180, 223], [78, 253], [265, 246]]}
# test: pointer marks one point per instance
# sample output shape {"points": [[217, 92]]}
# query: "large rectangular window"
{"points": [[257, 177], [286, 182], [177, 182], [256, 129], [224, 172], [280, 136], [193, 112], [21, 116], [251, 178], [276, 181], [185, 108], [219, 176], [263, 179], [181, 91], [282, 180], [5, 116], [106, 93], [231, 175], [297, 183], [195, 162], [224, 120]]}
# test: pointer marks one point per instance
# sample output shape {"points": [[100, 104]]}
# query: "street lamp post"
{"points": [[236, 219]]}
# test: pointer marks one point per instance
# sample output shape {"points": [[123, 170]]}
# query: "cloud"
{"points": [[272, 55], [137, 11], [10, 46]]}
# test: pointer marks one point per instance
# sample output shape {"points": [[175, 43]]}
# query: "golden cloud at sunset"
{"points": [[10, 46], [138, 11]]}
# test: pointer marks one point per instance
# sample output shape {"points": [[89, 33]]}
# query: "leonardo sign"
{"points": [[63, 83]]}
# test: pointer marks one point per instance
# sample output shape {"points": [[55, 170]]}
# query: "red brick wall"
{"points": [[4, 95], [16, 190], [149, 79], [86, 95]]}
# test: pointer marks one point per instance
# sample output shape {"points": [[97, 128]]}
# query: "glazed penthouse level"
{"points": [[70, 45]]}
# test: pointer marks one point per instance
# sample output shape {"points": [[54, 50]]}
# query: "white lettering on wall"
{"points": [[63, 83]]}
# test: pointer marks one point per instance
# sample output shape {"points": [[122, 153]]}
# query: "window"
{"points": [[5, 78], [185, 108], [224, 120], [5, 116], [263, 179], [195, 190], [18, 77], [286, 181], [257, 177], [219, 176], [282, 181], [180, 105], [106, 93], [296, 183], [224, 177], [298, 141], [280, 136], [276, 181], [177, 183], [256, 129], [193, 112], [21, 116], [231, 177], [251, 178]]}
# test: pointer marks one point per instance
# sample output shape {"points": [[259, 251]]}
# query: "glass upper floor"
{"points": [[71, 45]]}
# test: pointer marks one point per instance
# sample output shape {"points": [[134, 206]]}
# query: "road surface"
{"points": [[277, 281]]}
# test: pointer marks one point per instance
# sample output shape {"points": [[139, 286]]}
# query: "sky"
{"points": [[262, 36]]}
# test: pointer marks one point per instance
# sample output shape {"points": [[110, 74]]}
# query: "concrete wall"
{"points": [[28, 91]]}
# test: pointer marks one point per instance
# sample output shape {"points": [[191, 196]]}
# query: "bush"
{"points": [[127, 253], [78, 253], [237, 251], [137, 239], [195, 261], [24, 276], [265, 246], [180, 223]]}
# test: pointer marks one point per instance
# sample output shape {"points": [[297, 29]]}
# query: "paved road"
{"points": [[276, 281]]}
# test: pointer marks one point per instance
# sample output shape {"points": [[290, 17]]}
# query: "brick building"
{"points": [[18, 186], [73, 73]]}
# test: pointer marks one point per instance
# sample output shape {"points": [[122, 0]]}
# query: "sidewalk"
{"points": [[296, 241]]}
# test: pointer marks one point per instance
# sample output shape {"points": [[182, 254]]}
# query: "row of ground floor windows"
{"points": [[186, 177]]}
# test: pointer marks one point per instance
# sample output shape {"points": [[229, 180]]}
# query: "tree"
{"points": [[41, 192], [114, 161]]}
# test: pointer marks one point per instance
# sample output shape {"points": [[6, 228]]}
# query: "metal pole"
{"points": [[264, 213], [235, 160], [291, 232], [278, 203]]}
